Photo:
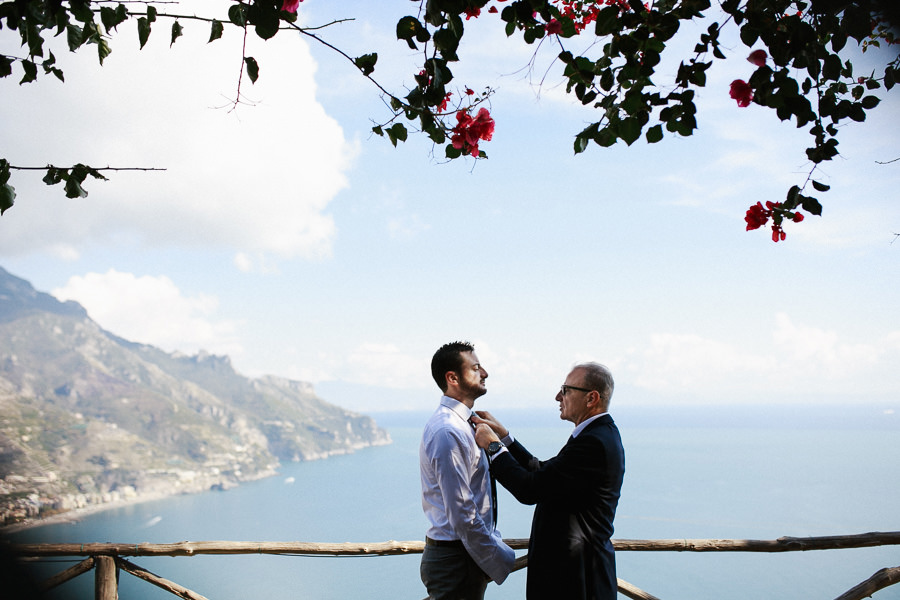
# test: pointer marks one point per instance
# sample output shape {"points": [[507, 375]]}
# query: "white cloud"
{"points": [[258, 179], [152, 310], [686, 362], [385, 365], [407, 227], [800, 359]]}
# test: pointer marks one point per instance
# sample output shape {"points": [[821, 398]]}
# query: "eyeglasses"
{"points": [[563, 389]]}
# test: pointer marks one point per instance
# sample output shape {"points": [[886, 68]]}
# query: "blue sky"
{"points": [[287, 237]]}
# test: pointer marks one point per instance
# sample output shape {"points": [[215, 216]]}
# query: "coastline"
{"points": [[75, 515]]}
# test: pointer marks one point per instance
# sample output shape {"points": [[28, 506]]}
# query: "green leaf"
{"points": [[252, 68], [113, 17], [7, 192], [366, 63], [30, 72], [7, 197], [446, 41], [629, 130], [870, 102], [607, 21], [5, 66], [377, 130], [581, 143], [103, 49], [143, 30], [820, 187], [811, 205], [451, 152], [437, 135], [605, 137], [216, 31], [74, 189], [54, 175], [177, 32], [831, 68], [237, 15], [397, 132], [654, 134], [267, 23], [409, 28], [74, 37]]}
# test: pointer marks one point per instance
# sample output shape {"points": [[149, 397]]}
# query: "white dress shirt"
{"points": [[585, 423], [456, 489]]}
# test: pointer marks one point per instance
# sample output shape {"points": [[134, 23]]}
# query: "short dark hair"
{"points": [[448, 358], [598, 377]]}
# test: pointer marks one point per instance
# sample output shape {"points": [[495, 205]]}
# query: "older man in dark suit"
{"points": [[570, 555]]}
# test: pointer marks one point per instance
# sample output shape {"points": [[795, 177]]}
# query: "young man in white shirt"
{"points": [[463, 549]]}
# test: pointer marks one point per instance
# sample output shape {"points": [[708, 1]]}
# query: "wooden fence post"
{"points": [[105, 579]]}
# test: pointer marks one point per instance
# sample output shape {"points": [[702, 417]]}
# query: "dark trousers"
{"points": [[449, 573]]}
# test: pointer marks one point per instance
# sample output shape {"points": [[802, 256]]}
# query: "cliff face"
{"points": [[87, 417]]}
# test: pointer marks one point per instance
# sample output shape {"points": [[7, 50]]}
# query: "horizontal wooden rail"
{"points": [[782, 544], [106, 558]]}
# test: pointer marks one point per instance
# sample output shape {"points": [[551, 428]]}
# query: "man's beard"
{"points": [[473, 390]]}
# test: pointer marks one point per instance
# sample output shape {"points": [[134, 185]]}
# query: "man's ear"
{"points": [[451, 377]]}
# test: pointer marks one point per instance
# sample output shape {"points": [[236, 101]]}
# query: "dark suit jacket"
{"points": [[570, 554]]}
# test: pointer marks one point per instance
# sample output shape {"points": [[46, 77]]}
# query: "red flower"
{"points": [[778, 233], [797, 217], [469, 131], [742, 92], [469, 92], [757, 216], [291, 6], [554, 27], [757, 57], [443, 105], [472, 12]]}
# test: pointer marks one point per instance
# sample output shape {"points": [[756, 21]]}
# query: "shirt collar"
{"points": [[456, 406], [585, 423]]}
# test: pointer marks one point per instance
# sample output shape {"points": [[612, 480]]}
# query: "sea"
{"points": [[744, 472]]}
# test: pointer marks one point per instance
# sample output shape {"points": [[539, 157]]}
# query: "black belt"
{"points": [[445, 543]]}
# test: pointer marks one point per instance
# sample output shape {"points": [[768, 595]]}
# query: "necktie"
{"points": [[493, 483]]}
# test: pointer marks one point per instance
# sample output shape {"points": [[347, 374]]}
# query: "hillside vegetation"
{"points": [[87, 417]]}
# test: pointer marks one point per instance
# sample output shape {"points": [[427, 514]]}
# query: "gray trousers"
{"points": [[449, 573]]}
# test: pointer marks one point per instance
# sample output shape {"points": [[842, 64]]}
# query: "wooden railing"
{"points": [[108, 558]]}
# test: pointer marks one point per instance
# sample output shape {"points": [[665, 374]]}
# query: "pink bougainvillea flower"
{"points": [[758, 57], [482, 128], [554, 27], [472, 12], [469, 92], [493, 9], [797, 217], [742, 92], [470, 131], [291, 6]]}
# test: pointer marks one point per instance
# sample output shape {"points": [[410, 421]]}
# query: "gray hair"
{"points": [[598, 377]]}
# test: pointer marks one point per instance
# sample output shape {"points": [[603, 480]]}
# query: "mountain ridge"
{"points": [[88, 418]]}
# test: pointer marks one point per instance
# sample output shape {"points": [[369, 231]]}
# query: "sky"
{"points": [[283, 234]]}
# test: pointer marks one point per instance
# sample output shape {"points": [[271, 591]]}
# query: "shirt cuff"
{"points": [[509, 439], [499, 452]]}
